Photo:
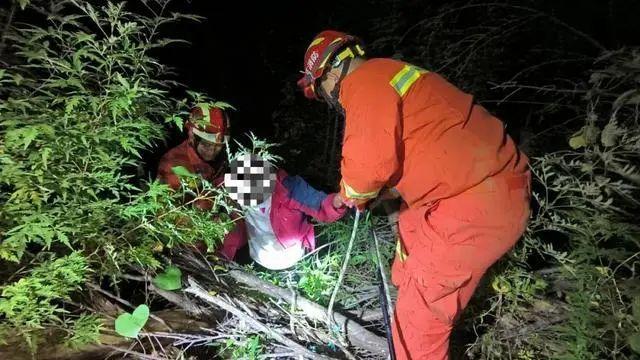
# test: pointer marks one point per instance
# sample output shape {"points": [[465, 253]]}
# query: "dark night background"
{"points": [[529, 62], [250, 54]]}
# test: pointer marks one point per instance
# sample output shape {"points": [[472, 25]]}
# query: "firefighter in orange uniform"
{"points": [[203, 153], [464, 183]]}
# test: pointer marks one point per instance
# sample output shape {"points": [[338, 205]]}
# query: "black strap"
{"points": [[335, 93], [385, 306]]}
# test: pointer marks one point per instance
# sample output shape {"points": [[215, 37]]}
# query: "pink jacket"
{"points": [[293, 202]]}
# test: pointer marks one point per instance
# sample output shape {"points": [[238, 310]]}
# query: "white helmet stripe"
{"points": [[206, 136]]}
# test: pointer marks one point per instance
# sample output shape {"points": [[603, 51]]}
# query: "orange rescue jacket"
{"points": [[410, 129]]}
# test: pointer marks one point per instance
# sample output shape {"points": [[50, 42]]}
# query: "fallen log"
{"points": [[355, 333], [173, 297], [52, 349], [197, 290], [367, 315]]}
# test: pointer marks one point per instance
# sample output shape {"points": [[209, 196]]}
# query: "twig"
{"points": [[322, 337], [345, 263], [243, 306], [172, 297], [613, 273], [7, 26], [278, 355], [367, 315], [125, 302], [197, 290], [316, 250], [133, 277], [293, 304], [181, 339], [357, 334], [535, 327], [531, 10], [133, 353], [383, 275], [159, 344], [153, 347], [304, 333]]}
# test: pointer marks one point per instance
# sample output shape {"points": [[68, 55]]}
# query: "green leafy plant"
{"points": [[82, 105], [30, 303], [129, 325], [84, 330], [169, 280], [315, 276], [257, 146], [250, 349], [585, 231]]}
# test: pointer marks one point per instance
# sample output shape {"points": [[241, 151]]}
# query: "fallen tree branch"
{"points": [[356, 333], [125, 302], [197, 290], [535, 328], [173, 297], [182, 301], [330, 320], [367, 315], [136, 354]]}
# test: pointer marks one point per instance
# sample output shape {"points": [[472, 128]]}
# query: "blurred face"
{"points": [[208, 150], [251, 180]]}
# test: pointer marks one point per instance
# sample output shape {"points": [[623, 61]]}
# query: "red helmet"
{"points": [[323, 47], [214, 129]]}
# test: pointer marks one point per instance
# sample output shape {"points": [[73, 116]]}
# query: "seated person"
{"points": [[276, 209], [202, 153]]}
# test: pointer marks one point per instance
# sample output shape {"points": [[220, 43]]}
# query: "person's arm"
{"points": [[312, 202], [165, 174], [234, 240], [372, 140]]}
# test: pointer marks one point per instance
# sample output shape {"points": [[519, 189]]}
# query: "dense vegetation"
{"points": [[85, 100]]}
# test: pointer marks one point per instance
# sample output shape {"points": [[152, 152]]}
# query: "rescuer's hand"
{"points": [[386, 194], [338, 202]]}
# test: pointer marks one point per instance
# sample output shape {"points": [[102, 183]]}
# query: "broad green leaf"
{"points": [[129, 325], [23, 3], [169, 280], [577, 141], [206, 116], [501, 285], [587, 135], [222, 105], [182, 171]]}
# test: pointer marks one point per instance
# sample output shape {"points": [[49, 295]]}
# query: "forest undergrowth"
{"points": [[87, 238]]}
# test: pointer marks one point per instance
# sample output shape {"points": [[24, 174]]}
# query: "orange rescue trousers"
{"points": [[448, 248]]}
